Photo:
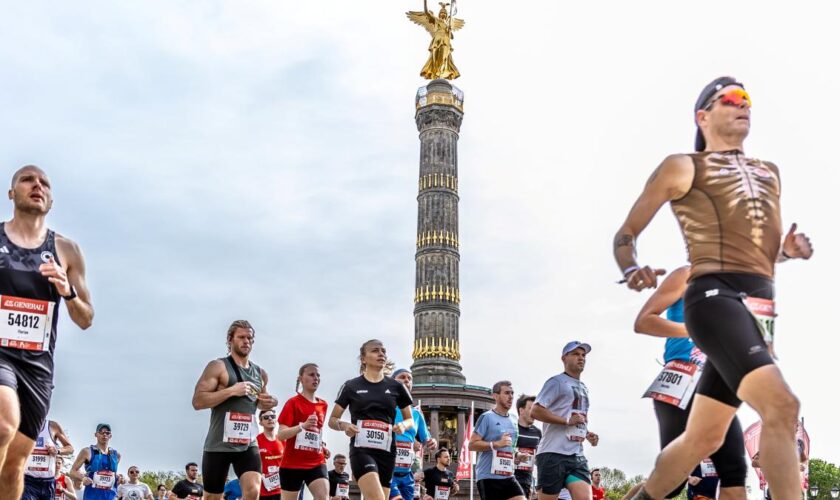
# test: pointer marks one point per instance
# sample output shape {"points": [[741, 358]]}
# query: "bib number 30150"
{"points": [[374, 434]]}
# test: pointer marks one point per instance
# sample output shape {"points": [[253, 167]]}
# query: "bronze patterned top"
{"points": [[730, 218]]}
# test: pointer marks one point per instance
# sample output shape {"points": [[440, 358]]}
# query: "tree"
{"points": [[167, 478], [824, 475], [616, 483]]}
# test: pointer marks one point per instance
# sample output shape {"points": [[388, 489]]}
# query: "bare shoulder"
{"points": [[68, 250]]}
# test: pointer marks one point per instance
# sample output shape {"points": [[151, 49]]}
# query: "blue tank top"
{"points": [[677, 348], [100, 462]]}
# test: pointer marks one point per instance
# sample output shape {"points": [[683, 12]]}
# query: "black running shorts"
{"points": [[499, 489], [34, 385], [294, 479], [555, 469], [216, 464], [363, 461], [725, 330]]}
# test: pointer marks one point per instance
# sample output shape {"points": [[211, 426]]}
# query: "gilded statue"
{"points": [[440, 63]]}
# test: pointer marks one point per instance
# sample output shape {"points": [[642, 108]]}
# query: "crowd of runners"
{"points": [[719, 351]]}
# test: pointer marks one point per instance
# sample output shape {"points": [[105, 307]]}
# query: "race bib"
{"points": [[764, 313], [441, 492], [272, 482], [502, 463], [405, 455], [374, 434], [237, 428], [40, 463], [526, 462], [308, 440], [25, 323], [103, 480], [576, 432], [675, 383], [707, 468], [342, 490]]}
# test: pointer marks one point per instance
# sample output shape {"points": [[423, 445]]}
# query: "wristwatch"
{"points": [[72, 295]]}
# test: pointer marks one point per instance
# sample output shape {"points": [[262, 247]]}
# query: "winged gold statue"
{"points": [[441, 27]]}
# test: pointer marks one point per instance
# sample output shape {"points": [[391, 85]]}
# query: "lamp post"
{"points": [[835, 492], [815, 490]]}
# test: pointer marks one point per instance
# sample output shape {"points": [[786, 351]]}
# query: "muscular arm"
{"points": [[80, 309], [541, 413], [75, 472], [265, 401], [60, 437], [670, 181], [207, 393], [649, 321]]}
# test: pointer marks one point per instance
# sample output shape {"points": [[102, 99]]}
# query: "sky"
{"points": [[219, 160]]}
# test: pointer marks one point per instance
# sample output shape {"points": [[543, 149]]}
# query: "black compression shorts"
{"points": [[215, 466], [363, 461], [725, 330], [499, 489], [729, 460], [294, 479], [34, 385]]}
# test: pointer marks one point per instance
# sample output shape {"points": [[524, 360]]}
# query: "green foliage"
{"points": [[824, 475], [616, 483], [154, 478]]}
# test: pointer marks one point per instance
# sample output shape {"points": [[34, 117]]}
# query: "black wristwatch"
{"points": [[72, 295]]}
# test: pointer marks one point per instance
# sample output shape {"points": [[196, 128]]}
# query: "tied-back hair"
{"points": [[240, 323], [389, 365], [300, 374]]}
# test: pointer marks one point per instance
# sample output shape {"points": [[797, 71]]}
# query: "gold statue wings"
{"points": [[427, 20]]}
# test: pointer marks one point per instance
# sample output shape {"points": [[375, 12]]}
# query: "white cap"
{"points": [[571, 346]]}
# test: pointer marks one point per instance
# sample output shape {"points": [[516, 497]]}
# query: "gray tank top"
{"points": [[229, 420]]}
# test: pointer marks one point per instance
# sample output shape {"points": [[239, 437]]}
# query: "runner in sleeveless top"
{"points": [[133, 489], [101, 463], [301, 421], [598, 491], [728, 208], [494, 438], [563, 407], [339, 480], [402, 485], [234, 388], [63, 485], [371, 399], [271, 455], [188, 488], [439, 481], [39, 481], [673, 389], [526, 445], [38, 268]]}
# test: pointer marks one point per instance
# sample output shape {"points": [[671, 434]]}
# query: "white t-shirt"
{"points": [[561, 395], [139, 491]]}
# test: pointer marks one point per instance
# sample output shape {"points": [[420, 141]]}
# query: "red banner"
{"points": [[464, 463], [752, 441]]}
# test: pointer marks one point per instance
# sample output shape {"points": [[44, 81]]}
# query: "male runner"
{"points": [[188, 488], [526, 445], [703, 482], [494, 438], [598, 491], [339, 480], [161, 492], [38, 268], [39, 480], [728, 208], [234, 388], [133, 489], [439, 481], [101, 462], [63, 485], [271, 455], [563, 407], [402, 484]]}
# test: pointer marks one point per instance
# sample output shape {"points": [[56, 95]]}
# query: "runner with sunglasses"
{"points": [[38, 269], [133, 489], [101, 463], [728, 209], [673, 389], [402, 485], [300, 424], [234, 388], [339, 480], [371, 399], [271, 455], [188, 488]]}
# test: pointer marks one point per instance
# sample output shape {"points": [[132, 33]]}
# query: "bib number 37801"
{"points": [[238, 427], [25, 323], [374, 434], [675, 383]]}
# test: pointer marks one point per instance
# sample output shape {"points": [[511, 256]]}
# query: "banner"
{"points": [[752, 441], [464, 463], [803, 449]]}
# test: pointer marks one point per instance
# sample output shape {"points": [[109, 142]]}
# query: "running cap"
{"points": [[571, 346], [703, 101], [103, 426], [400, 370]]}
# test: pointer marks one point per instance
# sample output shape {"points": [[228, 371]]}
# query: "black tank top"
{"points": [[20, 277]]}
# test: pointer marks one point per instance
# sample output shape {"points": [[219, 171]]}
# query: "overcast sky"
{"points": [[219, 160]]}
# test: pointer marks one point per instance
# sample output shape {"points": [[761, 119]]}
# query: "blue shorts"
{"points": [[402, 485]]}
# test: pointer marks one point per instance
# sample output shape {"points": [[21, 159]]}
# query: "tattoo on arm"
{"points": [[623, 240]]}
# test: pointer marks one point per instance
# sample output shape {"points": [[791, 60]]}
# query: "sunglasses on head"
{"points": [[735, 97]]}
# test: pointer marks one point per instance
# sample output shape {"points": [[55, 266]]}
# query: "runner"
{"points": [[101, 463], [234, 388], [673, 389], [563, 407], [161, 492], [402, 485], [371, 399], [339, 480], [728, 208], [38, 268], [39, 480], [63, 485], [301, 421], [598, 491], [494, 438], [189, 487], [526, 445], [271, 454], [133, 489], [703, 482], [439, 480]]}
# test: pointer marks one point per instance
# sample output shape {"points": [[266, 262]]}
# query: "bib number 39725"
{"points": [[238, 427], [502, 463], [374, 434], [25, 323]]}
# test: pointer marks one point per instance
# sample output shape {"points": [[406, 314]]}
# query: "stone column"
{"points": [[437, 295], [462, 428], [434, 423]]}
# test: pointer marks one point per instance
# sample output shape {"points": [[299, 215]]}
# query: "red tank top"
{"points": [[271, 455]]}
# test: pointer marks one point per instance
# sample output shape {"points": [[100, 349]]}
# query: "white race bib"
{"points": [[374, 434], [441, 492], [25, 323], [238, 428], [40, 463], [576, 432], [308, 440], [707, 468], [527, 461], [764, 312], [103, 480], [272, 482], [675, 383], [405, 455], [502, 463], [342, 490]]}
